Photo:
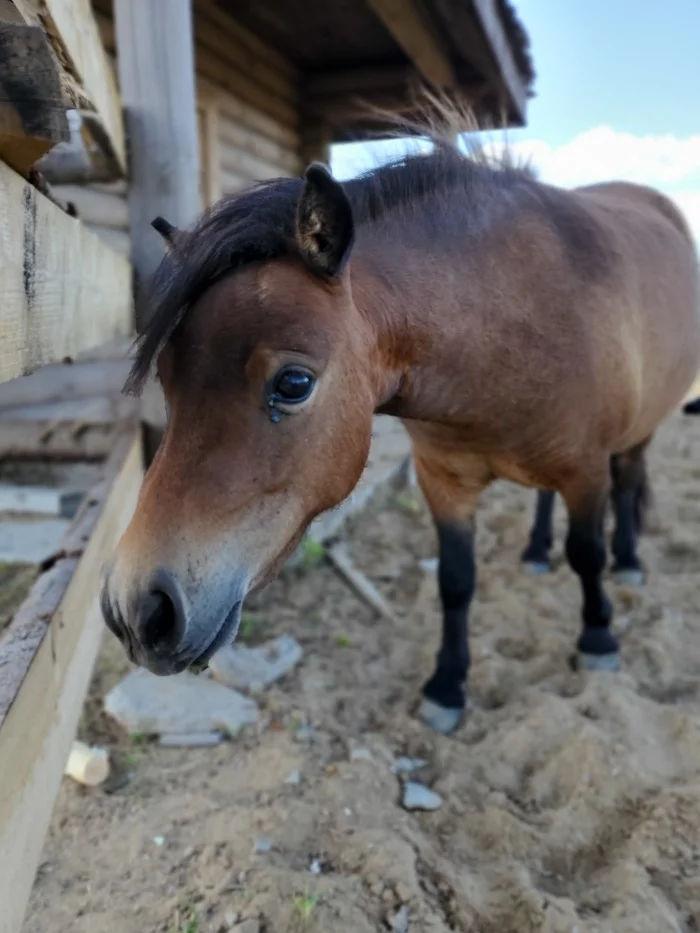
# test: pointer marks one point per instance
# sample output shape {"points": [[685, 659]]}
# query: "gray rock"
{"points": [[190, 739], [184, 703], [361, 754], [418, 797], [262, 845], [407, 765], [242, 668], [293, 778]]}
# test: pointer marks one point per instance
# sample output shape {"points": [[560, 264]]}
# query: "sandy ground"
{"points": [[571, 801]]}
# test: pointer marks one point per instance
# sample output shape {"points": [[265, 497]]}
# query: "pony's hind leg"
{"points": [[629, 494], [452, 500], [535, 557], [598, 648]]}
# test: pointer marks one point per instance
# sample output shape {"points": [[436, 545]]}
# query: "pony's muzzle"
{"points": [[153, 633]]}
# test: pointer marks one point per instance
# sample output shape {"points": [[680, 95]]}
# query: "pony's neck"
{"points": [[416, 315]]}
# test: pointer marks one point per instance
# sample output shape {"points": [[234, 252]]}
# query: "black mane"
{"points": [[258, 224]]}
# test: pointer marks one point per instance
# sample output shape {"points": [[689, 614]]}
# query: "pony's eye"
{"points": [[294, 385]]}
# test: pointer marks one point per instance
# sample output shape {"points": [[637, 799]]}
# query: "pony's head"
{"points": [[264, 362]]}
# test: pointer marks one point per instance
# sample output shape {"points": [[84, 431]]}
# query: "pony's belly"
{"points": [[505, 467]]}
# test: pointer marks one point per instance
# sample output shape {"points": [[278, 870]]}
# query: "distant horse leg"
{"points": [[535, 557], [598, 648], [453, 506], [629, 495]]}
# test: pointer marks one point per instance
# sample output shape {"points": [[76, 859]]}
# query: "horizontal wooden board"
{"points": [[95, 206], [46, 660], [249, 166], [63, 289], [233, 133], [213, 40]]}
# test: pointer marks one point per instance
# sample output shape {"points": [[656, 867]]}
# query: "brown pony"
{"points": [[518, 330]]}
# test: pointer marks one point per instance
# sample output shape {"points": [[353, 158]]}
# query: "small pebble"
{"points": [[262, 845], [190, 739], [293, 778], [159, 840], [400, 922], [315, 867], [405, 765], [231, 918], [347, 811], [418, 797], [387, 895], [361, 754], [377, 889], [429, 564]]}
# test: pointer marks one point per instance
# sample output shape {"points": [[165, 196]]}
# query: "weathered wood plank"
{"points": [[32, 100], [490, 21], [46, 660], [74, 35], [413, 33], [156, 76], [63, 289]]}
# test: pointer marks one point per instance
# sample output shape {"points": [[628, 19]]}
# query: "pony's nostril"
{"points": [[159, 628]]}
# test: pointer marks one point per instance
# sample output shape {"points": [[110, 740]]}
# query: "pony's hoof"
{"points": [[629, 577], [598, 662], [536, 568], [440, 718]]}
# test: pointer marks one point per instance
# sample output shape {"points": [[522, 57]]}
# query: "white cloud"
{"points": [[669, 163]]}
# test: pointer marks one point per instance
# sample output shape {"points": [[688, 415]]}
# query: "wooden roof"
{"points": [[378, 51]]}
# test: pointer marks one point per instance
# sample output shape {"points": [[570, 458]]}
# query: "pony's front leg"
{"points": [[598, 648], [452, 499]]}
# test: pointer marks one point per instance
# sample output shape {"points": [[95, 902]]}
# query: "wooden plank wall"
{"points": [[248, 117]]}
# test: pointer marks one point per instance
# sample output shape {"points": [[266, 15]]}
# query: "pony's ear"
{"points": [[169, 233], [324, 227]]}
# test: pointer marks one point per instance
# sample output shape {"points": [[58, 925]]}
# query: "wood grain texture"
{"points": [[63, 289], [32, 101], [46, 660], [156, 76], [413, 33], [74, 35]]}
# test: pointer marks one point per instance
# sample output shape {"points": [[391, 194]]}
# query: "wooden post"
{"points": [[315, 144], [157, 80]]}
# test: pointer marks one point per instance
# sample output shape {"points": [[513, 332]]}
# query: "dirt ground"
{"points": [[571, 801]]}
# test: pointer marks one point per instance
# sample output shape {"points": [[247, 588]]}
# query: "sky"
{"points": [[617, 97]]}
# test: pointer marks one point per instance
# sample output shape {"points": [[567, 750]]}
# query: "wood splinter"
{"points": [[362, 585], [87, 765]]}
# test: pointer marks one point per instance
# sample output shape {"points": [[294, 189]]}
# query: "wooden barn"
{"points": [[111, 113], [276, 83]]}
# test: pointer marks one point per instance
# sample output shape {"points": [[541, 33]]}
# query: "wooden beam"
{"points": [[492, 27], [32, 100], [63, 289], [353, 81], [414, 34], [73, 33], [315, 146], [211, 152], [156, 75], [46, 661]]}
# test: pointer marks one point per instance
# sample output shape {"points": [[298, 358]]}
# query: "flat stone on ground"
{"points": [[241, 667], [418, 797], [150, 705]]}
